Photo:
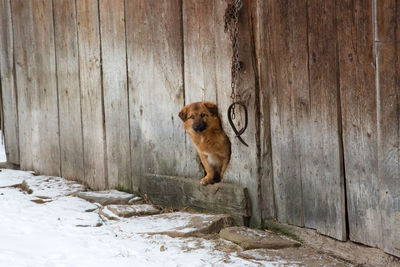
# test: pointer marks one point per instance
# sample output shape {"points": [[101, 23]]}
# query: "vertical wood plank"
{"points": [[388, 102], [91, 94], [288, 82], [37, 88], [200, 50], [112, 25], [260, 20], [387, 21], [199, 46], [48, 159], [9, 91], [154, 49], [323, 181], [359, 113], [71, 143], [26, 84]]}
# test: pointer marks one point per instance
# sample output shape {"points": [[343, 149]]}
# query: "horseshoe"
{"points": [[238, 133]]}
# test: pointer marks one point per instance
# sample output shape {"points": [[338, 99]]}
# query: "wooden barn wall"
{"points": [[302, 87], [91, 91]]}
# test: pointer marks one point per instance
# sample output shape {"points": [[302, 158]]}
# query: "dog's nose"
{"points": [[198, 127]]}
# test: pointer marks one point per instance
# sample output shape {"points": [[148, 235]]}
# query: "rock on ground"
{"points": [[251, 239], [106, 197], [127, 211], [177, 224], [293, 257], [52, 187]]}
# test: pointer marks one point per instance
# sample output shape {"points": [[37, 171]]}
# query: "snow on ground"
{"points": [[67, 231]]}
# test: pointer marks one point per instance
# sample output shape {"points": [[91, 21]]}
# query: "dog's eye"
{"points": [[202, 115], [192, 117]]}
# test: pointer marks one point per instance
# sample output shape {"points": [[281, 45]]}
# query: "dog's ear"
{"points": [[183, 113], [212, 108]]}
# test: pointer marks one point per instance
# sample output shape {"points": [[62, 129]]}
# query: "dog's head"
{"points": [[199, 117]]}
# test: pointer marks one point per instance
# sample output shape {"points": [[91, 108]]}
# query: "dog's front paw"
{"points": [[207, 180]]}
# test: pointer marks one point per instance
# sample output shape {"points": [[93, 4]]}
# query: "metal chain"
{"points": [[231, 19]]}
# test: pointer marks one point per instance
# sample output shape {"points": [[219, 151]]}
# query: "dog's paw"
{"points": [[206, 181]]}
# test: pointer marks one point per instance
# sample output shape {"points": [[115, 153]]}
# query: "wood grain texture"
{"points": [[288, 82], [388, 146], [71, 139], [388, 105], [91, 94], [359, 116], [180, 192], [199, 65], [259, 22], [37, 88], [112, 25], [387, 21], [208, 51], [323, 181], [25, 83], [154, 49], [8, 83]]}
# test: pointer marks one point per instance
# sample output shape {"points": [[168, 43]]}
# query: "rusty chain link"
{"points": [[231, 19]]}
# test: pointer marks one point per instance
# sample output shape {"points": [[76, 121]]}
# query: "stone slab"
{"points": [[51, 187], [105, 212], [127, 211], [107, 197], [360, 255], [252, 239], [176, 224], [179, 192], [302, 256], [136, 200]]}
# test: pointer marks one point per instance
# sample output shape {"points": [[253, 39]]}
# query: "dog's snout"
{"points": [[199, 126]]}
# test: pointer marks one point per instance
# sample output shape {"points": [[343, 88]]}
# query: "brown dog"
{"points": [[202, 123]]}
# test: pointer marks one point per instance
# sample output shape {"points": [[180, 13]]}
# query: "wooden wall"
{"points": [[91, 91]]}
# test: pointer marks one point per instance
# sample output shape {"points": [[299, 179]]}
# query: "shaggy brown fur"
{"points": [[202, 123]]}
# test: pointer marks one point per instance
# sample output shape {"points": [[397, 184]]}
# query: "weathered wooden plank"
{"points": [[37, 88], [91, 94], [112, 26], [179, 192], [288, 82], [322, 180], [259, 18], [208, 51], [388, 146], [199, 65], [154, 49], [387, 21], [388, 104], [48, 160], [71, 140], [200, 50], [26, 85], [7, 77], [358, 98]]}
